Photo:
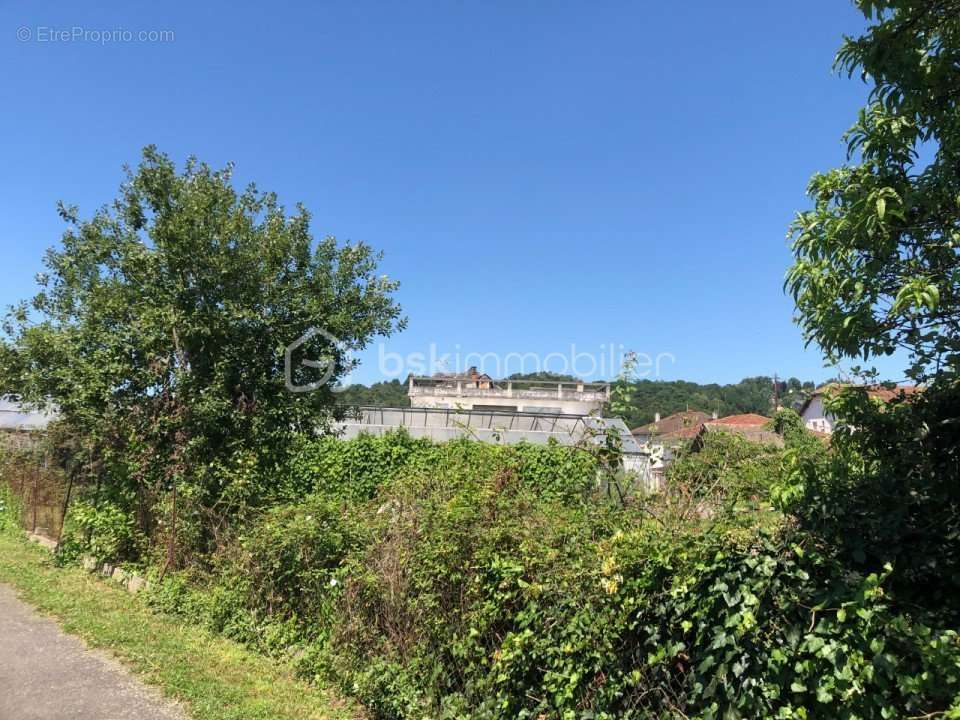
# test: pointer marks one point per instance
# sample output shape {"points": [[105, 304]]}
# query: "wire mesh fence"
{"points": [[36, 487]]}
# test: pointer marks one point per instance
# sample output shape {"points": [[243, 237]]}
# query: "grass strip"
{"points": [[215, 678]]}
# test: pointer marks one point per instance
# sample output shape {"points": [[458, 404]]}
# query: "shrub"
{"points": [[356, 469], [483, 599], [9, 507], [105, 531], [484, 581], [891, 493], [290, 560], [726, 470], [273, 586], [447, 574]]}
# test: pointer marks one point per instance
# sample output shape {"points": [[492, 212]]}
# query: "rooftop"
{"points": [[691, 424], [440, 424], [880, 392], [673, 424], [15, 416], [744, 419], [473, 383]]}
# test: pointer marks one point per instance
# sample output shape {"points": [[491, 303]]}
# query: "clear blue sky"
{"points": [[538, 174]]}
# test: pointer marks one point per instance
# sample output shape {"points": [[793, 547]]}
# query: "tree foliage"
{"points": [[388, 393], [160, 327], [877, 268], [641, 399], [890, 494], [877, 258]]}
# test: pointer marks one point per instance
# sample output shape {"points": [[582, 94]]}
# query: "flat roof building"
{"points": [[473, 390]]}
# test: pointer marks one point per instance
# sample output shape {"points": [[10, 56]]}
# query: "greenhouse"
{"points": [[506, 428]]}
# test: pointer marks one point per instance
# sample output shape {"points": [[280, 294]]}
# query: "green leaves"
{"points": [[874, 268], [917, 295], [508, 601], [160, 329]]}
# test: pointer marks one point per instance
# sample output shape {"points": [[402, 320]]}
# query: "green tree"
{"points": [[392, 393], [160, 329], [637, 400], [877, 269], [876, 259]]}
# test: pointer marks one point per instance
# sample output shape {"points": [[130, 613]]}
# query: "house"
{"points": [[673, 428], [473, 390], [816, 417], [673, 432], [749, 426]]}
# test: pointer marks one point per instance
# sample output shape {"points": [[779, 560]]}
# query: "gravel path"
{"points": [[46, 674]]}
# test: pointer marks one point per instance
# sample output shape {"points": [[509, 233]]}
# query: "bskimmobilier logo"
{"points": [[326, 366]]}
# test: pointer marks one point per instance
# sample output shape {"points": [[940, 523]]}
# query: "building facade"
{"points": [[817, 418], [477, 391]]}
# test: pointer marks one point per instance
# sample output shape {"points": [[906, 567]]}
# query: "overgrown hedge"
{"points": [[356, 469], [470, 580]]}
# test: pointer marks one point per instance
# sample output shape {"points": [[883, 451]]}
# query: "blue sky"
{"points": [[540, 176]]}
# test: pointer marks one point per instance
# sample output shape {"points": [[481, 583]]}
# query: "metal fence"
{"points": [[36, 487]]}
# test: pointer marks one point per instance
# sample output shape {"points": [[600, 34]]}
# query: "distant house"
{"points": [[673, 428], [750, 426], [816, 417], [692, 427]]}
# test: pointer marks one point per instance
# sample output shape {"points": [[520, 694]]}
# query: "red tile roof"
{"points": [[888, 394], [740, 423], [673, 424], [745, 419], [880, 392]]}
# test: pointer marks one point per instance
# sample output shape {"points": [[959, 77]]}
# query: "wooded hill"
{"points": [[750, 395]]}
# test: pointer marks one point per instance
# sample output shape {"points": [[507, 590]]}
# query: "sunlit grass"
{"points": [[214, 678]]}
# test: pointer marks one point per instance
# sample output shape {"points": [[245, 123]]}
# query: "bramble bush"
{"points": [[273, 581], [483, 599], [273, 586], [477, 581], [891, 493], [357, 468], [105, 531]]}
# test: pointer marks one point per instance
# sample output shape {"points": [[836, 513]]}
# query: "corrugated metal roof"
{"points": [[14, 416], [503, 427]]}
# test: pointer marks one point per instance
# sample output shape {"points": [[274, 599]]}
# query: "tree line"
{"points": [[646, 397]]}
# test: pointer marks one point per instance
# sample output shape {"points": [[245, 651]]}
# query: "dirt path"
{"points": [[46, 674]]}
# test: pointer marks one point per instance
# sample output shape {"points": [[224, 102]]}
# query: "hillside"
{"points": [[391, 393], [750, 395]]}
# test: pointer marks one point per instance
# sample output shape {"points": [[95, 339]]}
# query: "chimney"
{"points": [[656, 417], [714, 414]]}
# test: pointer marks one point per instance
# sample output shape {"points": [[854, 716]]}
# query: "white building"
{"points": [[477, 391], [816, 417]]}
